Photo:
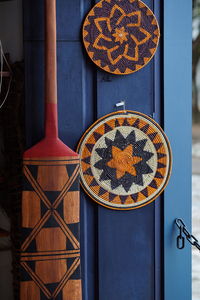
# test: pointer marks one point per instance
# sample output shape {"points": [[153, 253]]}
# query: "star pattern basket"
{"points": [[125, 160], [121, 37]]}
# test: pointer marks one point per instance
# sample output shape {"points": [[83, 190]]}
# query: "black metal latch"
{"points": [[184, 233]]}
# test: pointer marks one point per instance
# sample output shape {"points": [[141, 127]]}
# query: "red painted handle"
{"points": [[51, 122]]}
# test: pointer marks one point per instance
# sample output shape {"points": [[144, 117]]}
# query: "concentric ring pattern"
{"points": [[125, 160]]}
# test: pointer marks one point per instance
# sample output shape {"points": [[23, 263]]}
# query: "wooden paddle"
{"points": [[50, 250]]}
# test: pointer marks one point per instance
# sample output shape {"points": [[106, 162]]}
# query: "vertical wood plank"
{"points": [[127, 239], [177, 123], [158, 105]]}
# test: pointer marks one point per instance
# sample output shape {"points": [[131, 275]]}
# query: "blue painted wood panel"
{"points": [[70, 15], [177, 123], [127, 239], [120, 250]]}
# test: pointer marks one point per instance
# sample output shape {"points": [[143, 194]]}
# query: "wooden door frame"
{"points": [[177, 124]]}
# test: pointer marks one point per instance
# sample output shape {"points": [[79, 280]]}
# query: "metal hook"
{"points": [[121, 103]]}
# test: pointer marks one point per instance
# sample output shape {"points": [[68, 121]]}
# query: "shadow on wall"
{"points": [[11, 36], [11, 30]]}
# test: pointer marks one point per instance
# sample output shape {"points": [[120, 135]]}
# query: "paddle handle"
{"points": [[51, 122], [50, 52]]}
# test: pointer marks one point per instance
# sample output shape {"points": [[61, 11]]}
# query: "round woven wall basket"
{"points": [[121, 37], [125, 160]]}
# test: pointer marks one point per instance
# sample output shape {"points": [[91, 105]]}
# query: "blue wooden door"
{"points": [[121, 252], [177, 102]]}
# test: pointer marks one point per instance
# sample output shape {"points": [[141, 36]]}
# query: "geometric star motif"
{"points": [[125, 160], [121, 37]]}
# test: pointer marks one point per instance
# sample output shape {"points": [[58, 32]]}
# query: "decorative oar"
{"points": [[50, 250]]}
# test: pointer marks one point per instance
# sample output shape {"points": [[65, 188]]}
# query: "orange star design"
{"points": [[123, 161], [120, 35]]}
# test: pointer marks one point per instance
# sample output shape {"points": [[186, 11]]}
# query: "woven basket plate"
{"points": [[125, 160], [121, 37]]}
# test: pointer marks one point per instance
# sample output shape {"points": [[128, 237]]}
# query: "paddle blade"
{"points": [[50, 248]]}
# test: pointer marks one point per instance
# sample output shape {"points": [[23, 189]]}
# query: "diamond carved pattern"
{"points": [[50, 248]]}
